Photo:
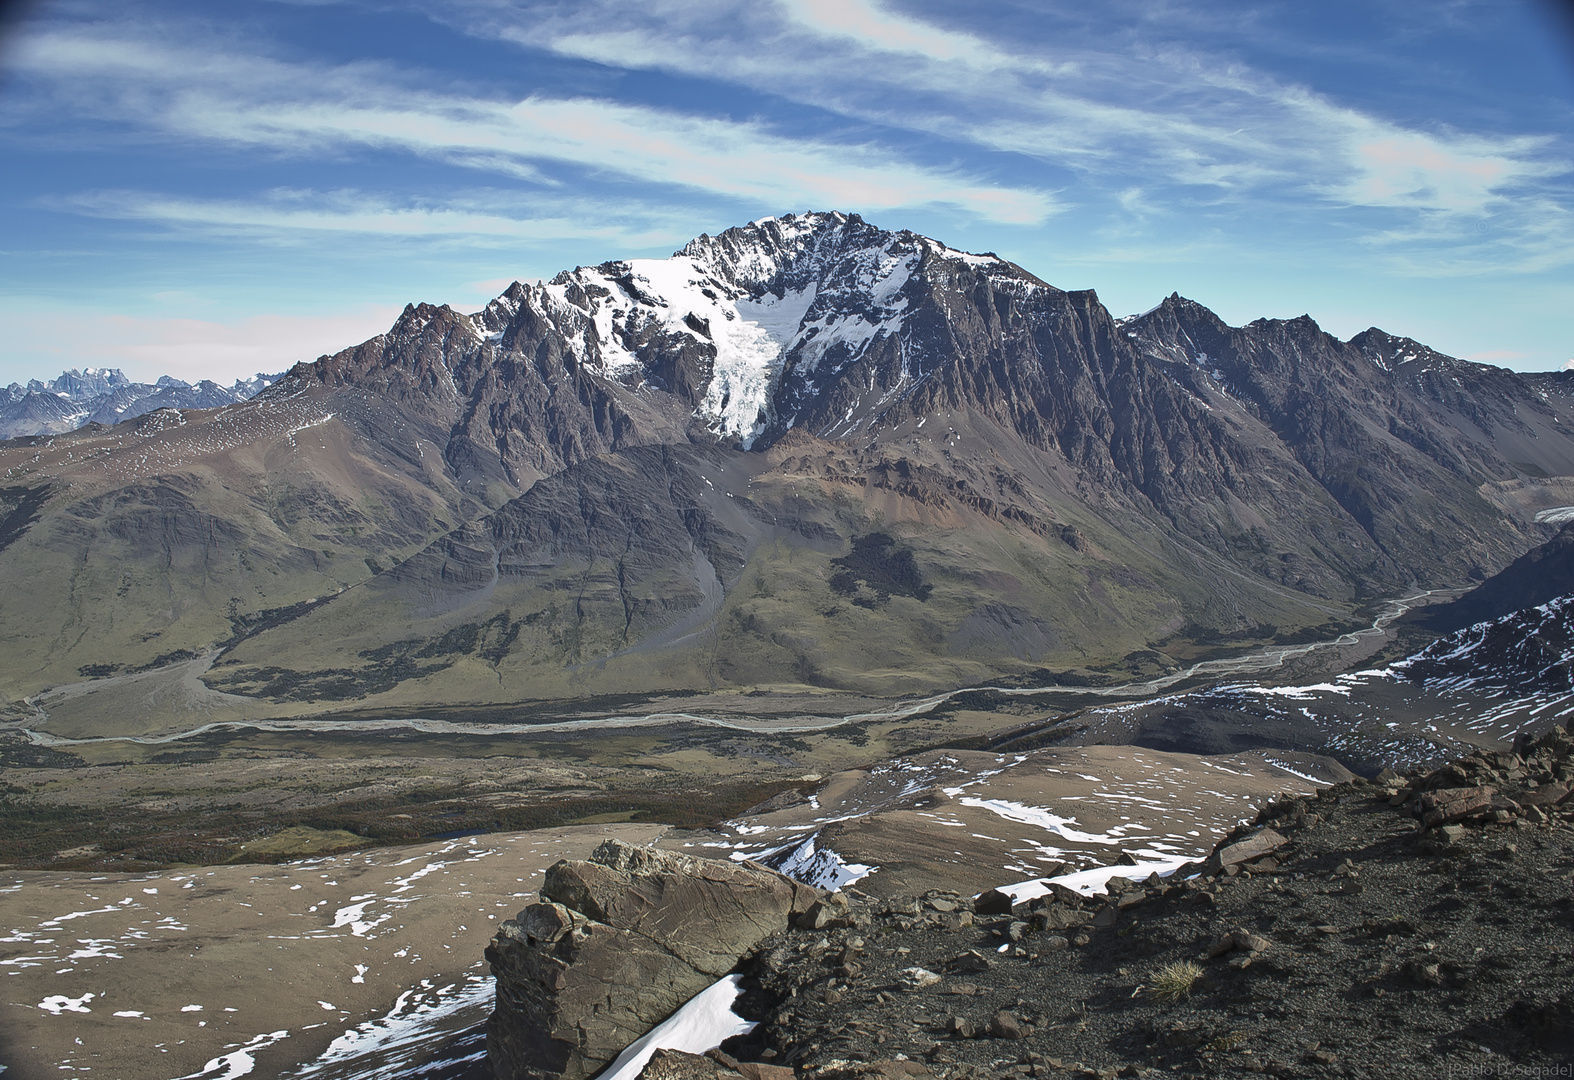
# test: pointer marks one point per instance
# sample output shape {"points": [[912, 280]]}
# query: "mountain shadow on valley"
{"points": [[1540, 575]]}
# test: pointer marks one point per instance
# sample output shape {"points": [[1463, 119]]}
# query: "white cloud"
{"points": [[252, 101], [1164, 116], [1187, 129], [871, 25], [1374, 162], [486, 219]]}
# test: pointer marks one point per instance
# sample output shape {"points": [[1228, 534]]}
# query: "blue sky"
{"points": [[212, 189]]}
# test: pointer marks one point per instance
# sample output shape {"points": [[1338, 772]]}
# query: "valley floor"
{"points": [[151, 930], [343, 965]]}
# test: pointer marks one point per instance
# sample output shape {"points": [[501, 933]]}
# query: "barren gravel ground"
{"points": [[960, 819], [187, 973]]}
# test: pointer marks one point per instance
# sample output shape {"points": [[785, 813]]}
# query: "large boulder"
{"points": [[615, 946]]}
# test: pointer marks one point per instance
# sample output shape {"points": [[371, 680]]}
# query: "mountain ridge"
{"points": [[77, 398], [1094, 485]]}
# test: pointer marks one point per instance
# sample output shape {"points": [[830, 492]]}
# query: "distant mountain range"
{"points": [[106, 396], [807, 452]]}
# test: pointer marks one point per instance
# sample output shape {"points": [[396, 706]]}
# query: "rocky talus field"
{"points": [[1409, 926]]}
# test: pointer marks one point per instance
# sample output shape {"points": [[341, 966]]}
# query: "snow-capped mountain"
{"points": [[759, 454], [1529, 651], [745, 323], [107, 396]]}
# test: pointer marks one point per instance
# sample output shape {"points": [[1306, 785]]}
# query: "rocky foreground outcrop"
{"points": [[1407, 926], [615, 945]]}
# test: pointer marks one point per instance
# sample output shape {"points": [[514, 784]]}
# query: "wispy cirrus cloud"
{"points": [[873, 26], [484, 219], [292, 107], [1170, 114], [1399, 165]]}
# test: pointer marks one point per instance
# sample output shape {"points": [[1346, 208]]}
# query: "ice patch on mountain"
{"points": [[1097, 878], [676, 298], [797, 291], [59, 1003], [423, 1019], [237, 1063]]}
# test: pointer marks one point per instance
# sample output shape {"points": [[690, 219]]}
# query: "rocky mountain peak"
{"points": [[1182, 330], [939, 386], [724, 321], [1389, 352], [782, 253]]}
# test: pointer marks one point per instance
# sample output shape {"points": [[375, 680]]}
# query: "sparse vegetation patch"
{"points": [[1172, 982]]}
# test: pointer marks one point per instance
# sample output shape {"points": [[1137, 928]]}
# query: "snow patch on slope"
{"points": [[703, 1024], [679, 298], [803, 861]]}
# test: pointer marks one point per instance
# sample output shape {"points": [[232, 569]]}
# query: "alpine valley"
{"points": [[805, 453], [839, 551]]}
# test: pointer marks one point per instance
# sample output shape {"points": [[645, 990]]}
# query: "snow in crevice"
{"points": [[820, 867], [422, 1020], [703, 1024], [1097, 878], [677, 303], [1043, 819]]}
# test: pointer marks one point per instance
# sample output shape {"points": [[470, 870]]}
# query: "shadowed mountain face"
{"points": [[804, 451], [1540, 575], [1401, 437]]}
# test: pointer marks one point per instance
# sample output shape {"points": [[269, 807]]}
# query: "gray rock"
{"points": [[994, 902], [1007, 1025], [1239, 939], [1547, 795], [1060, 918], [824, 914], [678, 1065], [713, 1065], [1451, 804], [893, 1069], [1255, 846], [972, 960]]}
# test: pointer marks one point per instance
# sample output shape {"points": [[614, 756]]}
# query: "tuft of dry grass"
{"points": [[1174, 981]]}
